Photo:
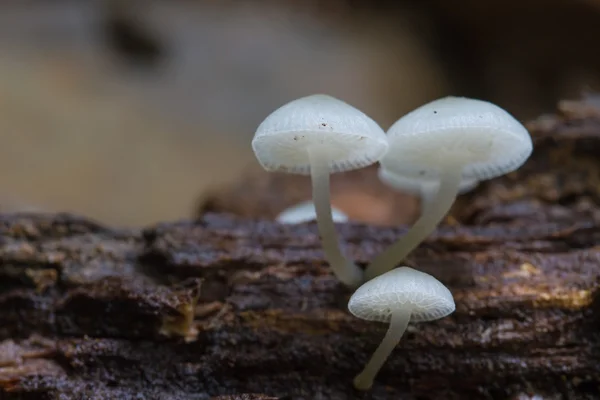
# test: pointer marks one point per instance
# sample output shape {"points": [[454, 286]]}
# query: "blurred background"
{"points": [[129, 111]]}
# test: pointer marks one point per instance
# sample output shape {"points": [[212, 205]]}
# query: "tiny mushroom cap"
{"points": [[449, 140], [304, 212], [401, 289], [399, 296], [348, 137], [318, 135], [483, 138]]}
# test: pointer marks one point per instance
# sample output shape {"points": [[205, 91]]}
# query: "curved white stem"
{"points": [[398, 324], [435, 212], [346, 271]]}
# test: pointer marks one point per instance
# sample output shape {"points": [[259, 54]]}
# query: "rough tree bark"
{"points": [[247, 309]]}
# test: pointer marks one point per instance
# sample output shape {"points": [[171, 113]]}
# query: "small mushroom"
{"points": [[304, 212], [399, 296], [319, 135], [426, 189], [449, 140]]}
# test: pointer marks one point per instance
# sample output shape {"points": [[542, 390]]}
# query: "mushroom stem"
{"points": [[427, 196], [398, 324], [436, 209], [346, 271]]}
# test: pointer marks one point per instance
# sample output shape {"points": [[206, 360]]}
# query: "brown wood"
{"points": [[227, 305]]}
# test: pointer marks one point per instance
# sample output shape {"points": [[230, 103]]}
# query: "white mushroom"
{"points": [[319, 135], [449, 140], [304, 212], [399, 296], [426, 189]]}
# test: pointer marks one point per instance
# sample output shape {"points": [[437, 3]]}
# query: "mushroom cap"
{"points": [[414, 185], [304, 212], [486, 139], [349, 138], [376, 299]]}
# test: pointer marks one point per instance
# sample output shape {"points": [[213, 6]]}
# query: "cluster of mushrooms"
{"points": [[437, 151]]}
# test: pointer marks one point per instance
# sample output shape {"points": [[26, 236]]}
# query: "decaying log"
{"points": [[226, 305], [248, 309]]}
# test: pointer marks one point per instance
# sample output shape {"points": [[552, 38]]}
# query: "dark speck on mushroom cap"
{"points": [[428, 298]]}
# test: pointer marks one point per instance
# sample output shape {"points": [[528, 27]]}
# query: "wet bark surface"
{"points": [[247, 309]]}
